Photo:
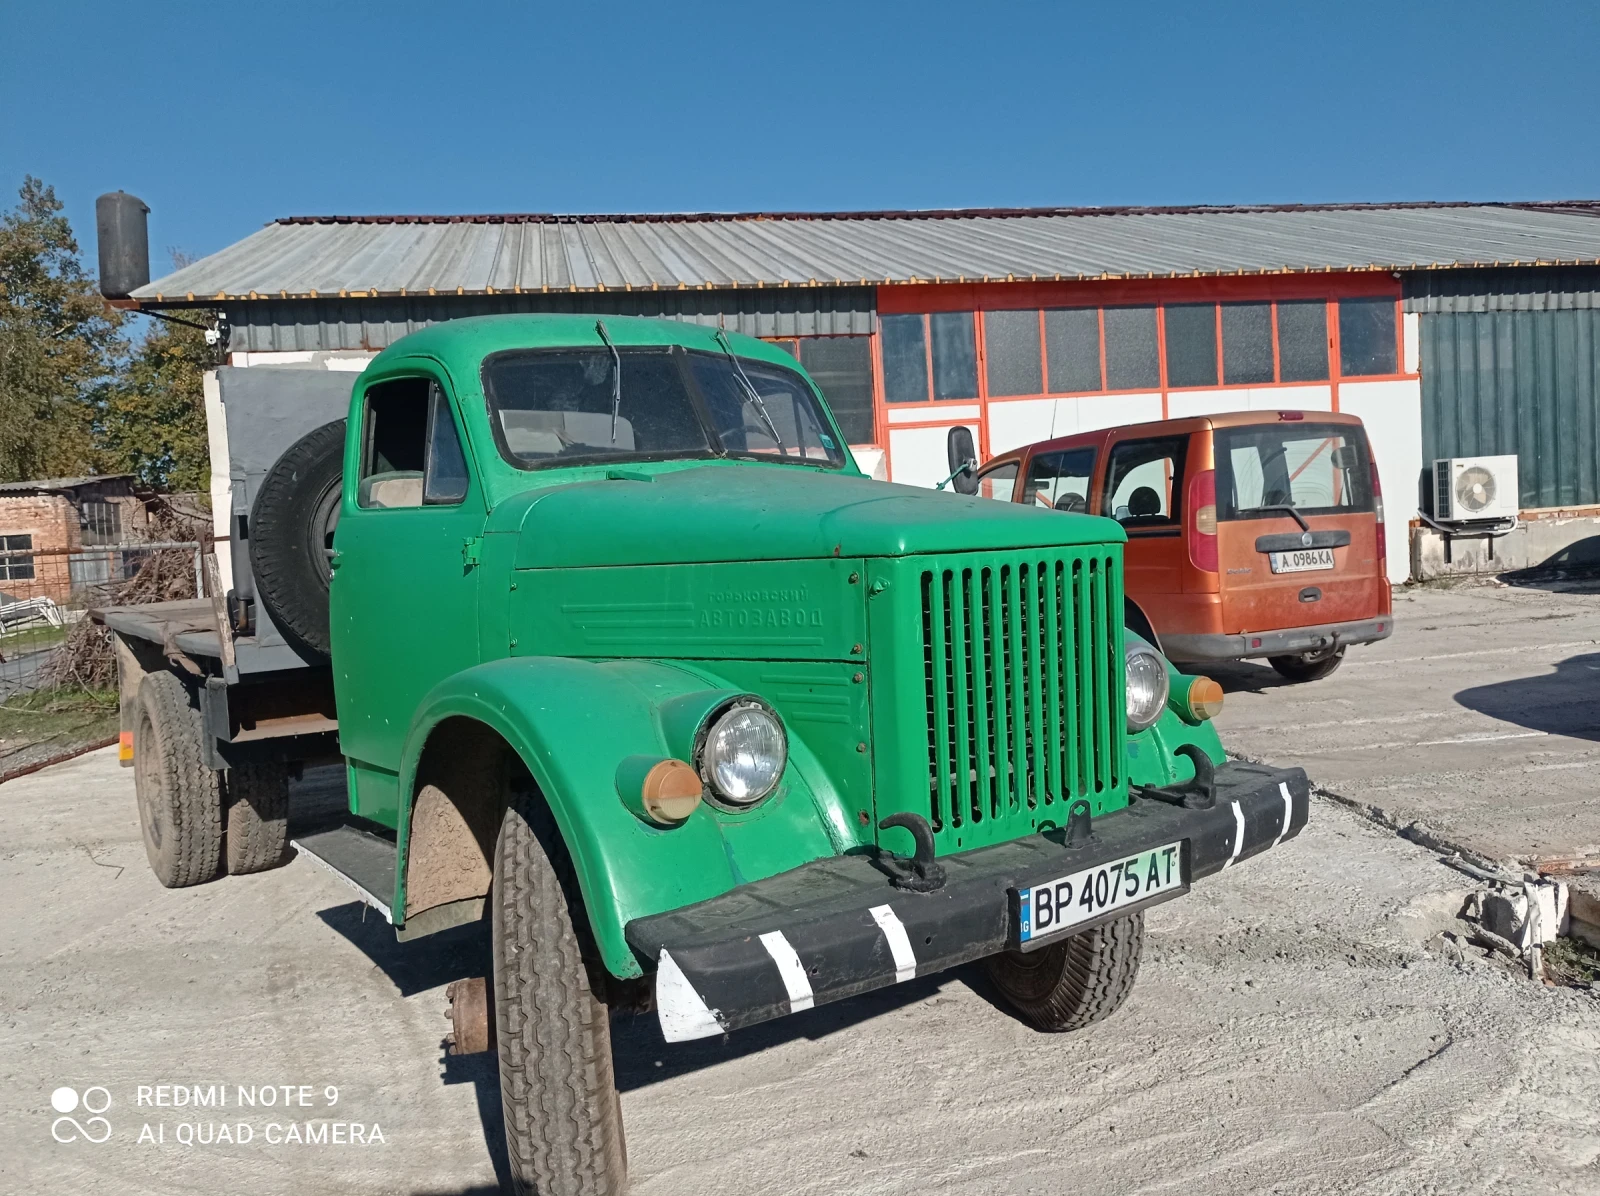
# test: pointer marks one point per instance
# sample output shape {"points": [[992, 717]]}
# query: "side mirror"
{"points": [[1344, 457], [962, 456]]}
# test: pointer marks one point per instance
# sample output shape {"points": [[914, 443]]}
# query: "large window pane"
{"points": [[1303, 341], [1191, 344], [1072, 340], [1011, 349], [1133, 361], [905, 359], [842, 367], [1246, 342], [955, 355], [1366, 337]]}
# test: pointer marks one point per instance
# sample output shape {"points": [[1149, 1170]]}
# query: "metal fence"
{"points": [[46, 594]]}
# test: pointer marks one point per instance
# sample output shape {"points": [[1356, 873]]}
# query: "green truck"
{"points": [[629, 659]]}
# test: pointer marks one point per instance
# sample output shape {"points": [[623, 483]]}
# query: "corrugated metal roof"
{"points": [[41, 485], [337, 256]]}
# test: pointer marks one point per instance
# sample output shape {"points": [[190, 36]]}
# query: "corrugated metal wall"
{"points": [[297, 325], [1524, 382], [1510, 362]]}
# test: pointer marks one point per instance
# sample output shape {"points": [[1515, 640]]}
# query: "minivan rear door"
{"points": [[1297, 534]]}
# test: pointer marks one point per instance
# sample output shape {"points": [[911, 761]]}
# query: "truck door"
{"points": [[405, 581]]}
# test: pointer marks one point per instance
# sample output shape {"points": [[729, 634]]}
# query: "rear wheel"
{"points": [[180, 805], [562, 1116], [1075, 982], [258, 816], [1308, 666]]}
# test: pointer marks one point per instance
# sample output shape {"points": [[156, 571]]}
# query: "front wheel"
{"points": [[1308, 666], [1075, 982], [562, 1116]]}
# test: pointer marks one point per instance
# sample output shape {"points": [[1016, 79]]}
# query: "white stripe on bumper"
{"points": [[894, 933], [681, 1010], [790, 968]]}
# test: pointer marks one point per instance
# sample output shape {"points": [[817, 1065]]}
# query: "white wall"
{"points": [[1392, 413], [917, 456]]}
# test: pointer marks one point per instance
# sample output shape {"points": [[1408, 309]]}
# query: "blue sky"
{"points": [[224, 116]]}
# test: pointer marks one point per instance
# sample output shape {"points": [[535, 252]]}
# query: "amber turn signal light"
{"points": [[1204, 698], [670, 792]]}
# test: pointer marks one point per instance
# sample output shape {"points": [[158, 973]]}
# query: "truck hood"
{"points": [[759, 512]]}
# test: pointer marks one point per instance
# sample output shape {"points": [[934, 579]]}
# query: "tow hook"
{"points": [[471, 1026], [1199, 793], [921, 873]]}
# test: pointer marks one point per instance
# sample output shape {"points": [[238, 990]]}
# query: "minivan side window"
{"points": [[998, 483], [411, 452], [1060, 480], [1144, 480]]}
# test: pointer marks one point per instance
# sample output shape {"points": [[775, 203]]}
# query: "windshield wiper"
{"points": [[616, 377], [749, 389], [1283, 506]]}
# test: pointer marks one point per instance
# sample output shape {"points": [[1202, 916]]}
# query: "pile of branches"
{"points": [[85, 659]]}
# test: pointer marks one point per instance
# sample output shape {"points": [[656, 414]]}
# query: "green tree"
{"points": [[151, 420], [58, 342]]}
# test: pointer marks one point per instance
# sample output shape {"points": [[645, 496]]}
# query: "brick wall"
{"points": [[52, 521]]}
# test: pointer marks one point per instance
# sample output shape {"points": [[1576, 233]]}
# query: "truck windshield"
{"points": [[554, 407], [1318, 469]]}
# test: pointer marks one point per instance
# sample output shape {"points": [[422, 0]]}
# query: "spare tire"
{"points": [[291, 537]]}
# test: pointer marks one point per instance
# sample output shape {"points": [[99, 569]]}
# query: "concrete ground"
{"points": [[1479, 718], [1296, 1026]]}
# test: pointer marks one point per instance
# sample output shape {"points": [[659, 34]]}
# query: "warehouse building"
{"points": [[1452, 330]]}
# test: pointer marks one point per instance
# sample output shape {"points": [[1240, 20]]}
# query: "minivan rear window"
{"points": [[1318, 469]]}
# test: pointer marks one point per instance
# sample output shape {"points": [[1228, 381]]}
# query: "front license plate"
{"points": [[1301, 560], [1060, 905]]}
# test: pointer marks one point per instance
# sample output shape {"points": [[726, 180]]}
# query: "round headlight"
{"points": [[1146, 686], [744, 752]]}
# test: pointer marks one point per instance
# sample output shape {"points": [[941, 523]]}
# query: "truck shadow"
{"points": [[420, 967], [641, 1058], [1565, 702], [639, 1055]]}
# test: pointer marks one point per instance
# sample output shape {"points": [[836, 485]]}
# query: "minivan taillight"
{"points": [[1203, 520], [1377, 507]]}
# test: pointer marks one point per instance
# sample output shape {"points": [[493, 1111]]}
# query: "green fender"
{"points": [[573, 722], [1152, 758]]}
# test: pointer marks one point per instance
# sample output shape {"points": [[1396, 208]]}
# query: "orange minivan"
{"points": [[1250, 534]]}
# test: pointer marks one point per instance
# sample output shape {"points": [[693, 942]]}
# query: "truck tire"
{"points": [[562, 1115], [291, 534], [1308, 666], [180, 805], [1075, 982], [257, 824]]}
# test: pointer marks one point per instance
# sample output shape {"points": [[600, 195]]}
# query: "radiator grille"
{"points": [[1023, 692]]}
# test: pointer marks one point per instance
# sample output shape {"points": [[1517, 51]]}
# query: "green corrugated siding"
{"points": [[1523, 382]]}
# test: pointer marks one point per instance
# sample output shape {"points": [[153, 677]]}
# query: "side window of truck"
{"points": [[411, 452], [1143, 481], [1060, 480]]}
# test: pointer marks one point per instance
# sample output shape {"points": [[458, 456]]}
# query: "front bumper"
{"points": [[837, 927], [1289, 641]]}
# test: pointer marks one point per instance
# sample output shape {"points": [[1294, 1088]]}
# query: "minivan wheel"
{"points": [[1073, 983], [562, 1115], [1308, 666]]}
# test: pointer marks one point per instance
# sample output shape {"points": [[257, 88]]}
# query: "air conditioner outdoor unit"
{"points": [[1470, 489]]}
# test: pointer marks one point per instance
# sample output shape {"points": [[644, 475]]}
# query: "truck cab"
{"points": [[631, 662]]}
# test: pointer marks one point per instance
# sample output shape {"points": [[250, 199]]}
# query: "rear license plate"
{"points": [[1080, 897], [1301, 560]]}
